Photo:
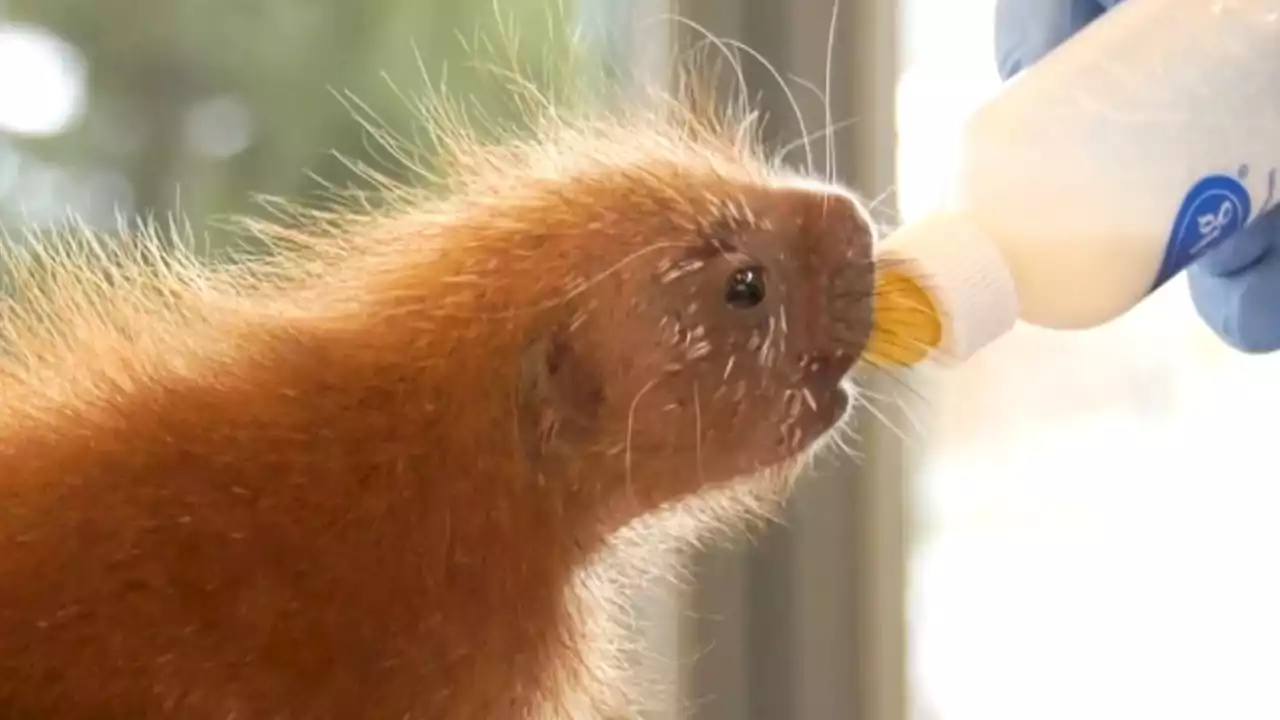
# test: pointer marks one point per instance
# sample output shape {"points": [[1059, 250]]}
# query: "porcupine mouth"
{"points": [[827, 378]]}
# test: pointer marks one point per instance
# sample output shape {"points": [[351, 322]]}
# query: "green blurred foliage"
{"points": [[164, 74]]}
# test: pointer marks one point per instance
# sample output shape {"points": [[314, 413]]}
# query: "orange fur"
{"points": [[405, 468]]}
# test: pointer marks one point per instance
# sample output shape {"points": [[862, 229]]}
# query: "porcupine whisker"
{"points": [[697, 429], [710, 38], [879, 415], [728, 366], [786, 89], [831, 44], [898, 402], [874, 206], [898, 383], [631, 418], [840, 441], [829, 132]]}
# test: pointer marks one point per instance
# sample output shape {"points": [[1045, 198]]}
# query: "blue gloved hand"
{"points": [[1236, 286]]}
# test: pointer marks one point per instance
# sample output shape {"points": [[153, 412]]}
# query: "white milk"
{"points": [[1105, 169]]}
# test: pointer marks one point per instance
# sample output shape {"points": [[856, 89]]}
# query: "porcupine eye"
{"points": [[745, 288]]}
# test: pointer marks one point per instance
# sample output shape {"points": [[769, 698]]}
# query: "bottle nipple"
{"points": [[906, 326], [943, 292]]}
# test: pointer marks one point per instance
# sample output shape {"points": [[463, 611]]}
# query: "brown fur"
{"points": [[404, 469]]}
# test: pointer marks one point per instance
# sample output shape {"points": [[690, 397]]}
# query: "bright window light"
{"points": [[42, 81]]}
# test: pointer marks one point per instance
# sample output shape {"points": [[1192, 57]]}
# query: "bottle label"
{"points": [[1214, 209]]}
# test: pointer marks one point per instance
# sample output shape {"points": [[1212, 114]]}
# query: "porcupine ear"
{"points": [[560, 395]]}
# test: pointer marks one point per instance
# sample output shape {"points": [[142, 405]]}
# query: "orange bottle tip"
{"points": [[906, 325]]}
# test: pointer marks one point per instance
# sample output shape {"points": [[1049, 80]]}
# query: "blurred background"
{"points": [[1072, 525]]}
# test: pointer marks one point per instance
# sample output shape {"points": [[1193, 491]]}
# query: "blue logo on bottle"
{"points": [[1216, 208]]}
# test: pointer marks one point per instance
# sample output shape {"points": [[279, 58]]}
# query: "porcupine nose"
{"points": [[836, 241]]}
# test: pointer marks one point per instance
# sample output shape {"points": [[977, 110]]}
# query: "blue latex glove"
{"points": [[1236, 286]]}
